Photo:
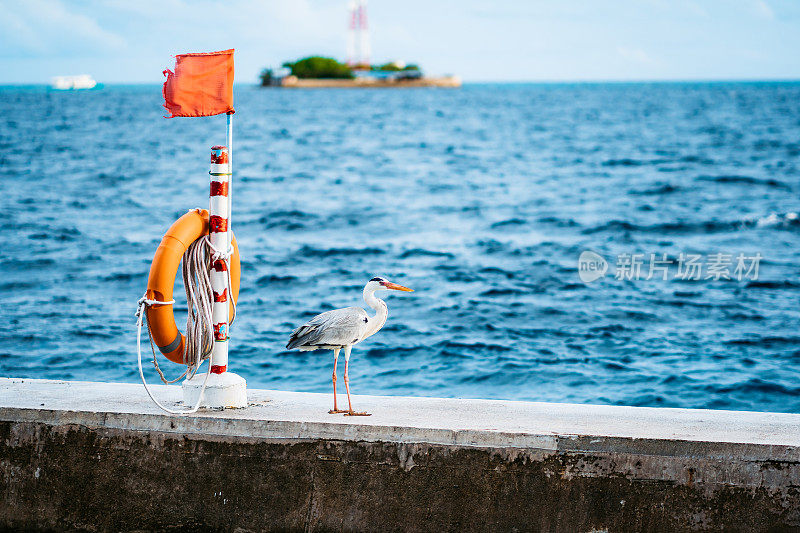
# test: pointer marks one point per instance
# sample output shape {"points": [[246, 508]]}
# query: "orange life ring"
{"points": [[160, 318]]}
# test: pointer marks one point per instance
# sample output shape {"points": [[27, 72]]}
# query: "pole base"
{"points": [[226, 390]]}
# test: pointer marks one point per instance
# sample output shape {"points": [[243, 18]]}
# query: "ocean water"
{"points": [[482, 199]]}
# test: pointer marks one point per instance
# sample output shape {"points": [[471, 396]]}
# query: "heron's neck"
{"points": [[381, 312]]}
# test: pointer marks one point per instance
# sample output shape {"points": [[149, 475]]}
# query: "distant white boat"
{"points": [[66, 83]]}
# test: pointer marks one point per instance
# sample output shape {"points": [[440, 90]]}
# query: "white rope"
{"points": [[225, 256], [199, 322], [143, 303]]}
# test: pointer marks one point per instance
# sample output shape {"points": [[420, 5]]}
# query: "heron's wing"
{"points": [[331, 328]]}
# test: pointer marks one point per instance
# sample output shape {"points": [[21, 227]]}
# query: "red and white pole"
{"points": [[223, 388], [218, 236]]}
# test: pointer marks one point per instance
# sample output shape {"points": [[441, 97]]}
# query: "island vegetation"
{"points": [[319, 67], [394, 66]]}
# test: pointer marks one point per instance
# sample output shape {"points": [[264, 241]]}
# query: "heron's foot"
{"points": [[336, 411], [354, 413]]}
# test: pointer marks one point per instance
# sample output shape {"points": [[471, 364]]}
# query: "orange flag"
{"points": [[201, 86]]}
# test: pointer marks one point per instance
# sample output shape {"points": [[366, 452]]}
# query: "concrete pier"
{"points": [[101, 457]]}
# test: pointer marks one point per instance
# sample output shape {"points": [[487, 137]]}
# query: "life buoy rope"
{"points": [[145, 303], [186, 239], [160, 319]]}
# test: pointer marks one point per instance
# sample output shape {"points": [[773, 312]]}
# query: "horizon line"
{"points": [[493, 81]]}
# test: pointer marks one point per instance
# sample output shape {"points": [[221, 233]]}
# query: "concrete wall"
{"points": [[95, 456]]}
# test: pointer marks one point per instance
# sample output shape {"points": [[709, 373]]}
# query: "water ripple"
{"points": [[481, 199]]}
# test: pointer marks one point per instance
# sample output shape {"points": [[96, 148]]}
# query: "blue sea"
{"points": [[482, 199]]}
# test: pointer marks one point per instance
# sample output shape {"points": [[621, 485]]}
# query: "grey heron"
{"points": [[344, 328]]}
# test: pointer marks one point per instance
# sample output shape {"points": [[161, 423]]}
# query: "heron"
{"points": [[342, 329]]}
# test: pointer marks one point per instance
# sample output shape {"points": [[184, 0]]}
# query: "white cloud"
{"points": [[763, 9], [39, 28], [132, 40], [636, 55], [697, 9]]}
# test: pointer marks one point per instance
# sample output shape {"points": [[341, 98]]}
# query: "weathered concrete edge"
{"points": [[74, 477], [236, 429], [393, 415], [753, 466], [278, 430], [81, 455]]}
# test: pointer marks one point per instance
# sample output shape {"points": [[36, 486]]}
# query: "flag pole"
{"points": [[229, 142], [183, 97]]}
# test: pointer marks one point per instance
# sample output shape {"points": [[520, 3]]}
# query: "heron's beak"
{"points": [[395, 286]]}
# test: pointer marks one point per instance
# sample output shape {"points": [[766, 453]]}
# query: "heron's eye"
{"points": [[376, 279]]}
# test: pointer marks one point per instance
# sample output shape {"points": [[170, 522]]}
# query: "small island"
{"points": [[325, 72]]}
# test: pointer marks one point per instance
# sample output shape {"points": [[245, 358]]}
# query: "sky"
{"points": [[133, 41]]}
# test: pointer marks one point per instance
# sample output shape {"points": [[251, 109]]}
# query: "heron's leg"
{"points": [[335, 360], [350, 411]]}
